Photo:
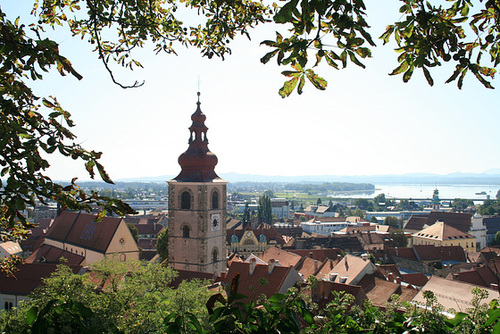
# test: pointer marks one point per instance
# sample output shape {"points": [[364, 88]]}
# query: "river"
{"points": [[425, 191]]}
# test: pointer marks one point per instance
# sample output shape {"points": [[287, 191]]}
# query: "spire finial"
{"points": [[198, 97]]}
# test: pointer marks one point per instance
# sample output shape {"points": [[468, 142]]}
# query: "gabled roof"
{"points": [[50, 254], [249, 282], [350, 269], [307, 267], [440, 253], [285, 258], [28, 277], [326, 267], [442, 231], [460, 221], [386, 269], [404, 252], [269, 233], [322, 292], [452, 294], [82, 230], [10, 248], [415, 279], [382, 292], [416, 222], [318, 254], [483, 276]]}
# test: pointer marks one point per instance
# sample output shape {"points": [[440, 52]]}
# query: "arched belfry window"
{"points": [[186, 200], [215, 200], [215, 255], [185, 231]]}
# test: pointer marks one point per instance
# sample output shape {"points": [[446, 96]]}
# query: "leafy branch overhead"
{"points": [[310, 32]]}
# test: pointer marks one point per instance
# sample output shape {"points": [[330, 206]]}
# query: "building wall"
{"points": [[123, 244], [11, 300], [467, 244], [196, 251]]}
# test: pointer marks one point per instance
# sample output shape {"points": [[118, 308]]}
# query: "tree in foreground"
{"points": [[70, 303], [162, 244], [462, 32]]}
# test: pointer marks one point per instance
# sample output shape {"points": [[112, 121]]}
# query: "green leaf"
{"points": [[428, 76], [285, 14], [317, 81], [301, 84], [288, 87], [104, 176], [31, 315]]}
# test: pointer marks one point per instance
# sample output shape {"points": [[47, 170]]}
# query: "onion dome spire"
{"points": [[197, 162]]}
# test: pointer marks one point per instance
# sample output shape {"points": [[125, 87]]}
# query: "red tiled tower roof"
{"points": [[197, 162]]}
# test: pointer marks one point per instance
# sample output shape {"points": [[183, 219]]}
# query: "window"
{"points": [[123, 257], [215, 200], [186, 200], [185, 232], [8, 305], [215, 256]]}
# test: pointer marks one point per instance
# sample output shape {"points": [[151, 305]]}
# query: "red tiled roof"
{"points": [[82, 230], [415, 279], [322, 292], [382, 292], [389, 268], [318, 254], [28, 277], [483, 276], [436, 253], [404, 252], [51, 254], [249, 283], [416, 222], [147, 243], [287, 259], [460, 221]]}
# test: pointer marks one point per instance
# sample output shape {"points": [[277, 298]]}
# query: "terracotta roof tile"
{"points": [[82, 230], [318, 254], [382, 292], [51, 254], [415, 279], [28, 277], [285, 258], [249, 282]]}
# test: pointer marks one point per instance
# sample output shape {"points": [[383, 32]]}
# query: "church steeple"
{"points": [[197, 162]]}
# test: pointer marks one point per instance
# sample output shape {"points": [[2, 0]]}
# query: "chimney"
{"points": [[270, 266], [315, 265], [252, 265], [390, 277]]}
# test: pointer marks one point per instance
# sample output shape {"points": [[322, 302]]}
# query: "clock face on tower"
{"points": [[215, 221]]}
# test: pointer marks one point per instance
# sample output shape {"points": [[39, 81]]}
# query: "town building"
{"points": [[328, 225], [81, 238], [441, 234], [9, 248], [197, 207]]}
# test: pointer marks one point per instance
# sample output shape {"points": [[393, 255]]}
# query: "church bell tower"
{"points": [[197, 207]]}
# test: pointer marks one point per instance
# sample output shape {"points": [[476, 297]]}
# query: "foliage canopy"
{"points": [[310, 32]]}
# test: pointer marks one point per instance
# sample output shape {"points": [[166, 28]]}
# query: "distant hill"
{"points": [[490, 177]]}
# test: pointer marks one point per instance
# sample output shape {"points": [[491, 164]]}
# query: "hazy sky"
{"points": [[366, 122]]}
